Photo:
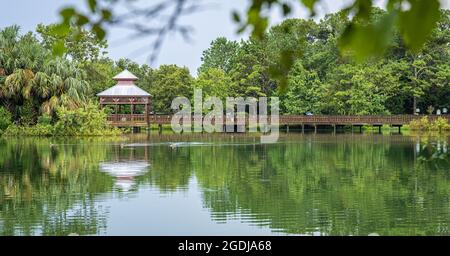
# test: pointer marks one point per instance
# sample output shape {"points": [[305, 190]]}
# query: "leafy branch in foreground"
{"points": [[155, 20]]}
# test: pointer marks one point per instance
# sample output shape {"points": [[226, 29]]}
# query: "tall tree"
{"points": [[220, 55], [215, 82], [33, 81], [167, 83]]}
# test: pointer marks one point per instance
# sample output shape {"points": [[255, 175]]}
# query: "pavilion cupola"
{"points": [[125, 87], [125, 78]]}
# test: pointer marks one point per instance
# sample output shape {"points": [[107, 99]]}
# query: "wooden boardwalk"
{"points": [[140, 120]]}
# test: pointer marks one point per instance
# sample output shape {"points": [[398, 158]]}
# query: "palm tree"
{"points": [[31, 76], [64, 85]]}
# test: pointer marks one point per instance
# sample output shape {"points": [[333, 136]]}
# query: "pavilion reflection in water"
{"points": [[125, 172]]}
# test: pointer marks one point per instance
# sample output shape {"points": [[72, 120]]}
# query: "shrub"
{"points": [[440, 124], [424, 124], [45, 119], [5, 118], [86, 121], [420, 124], [37, 130]]}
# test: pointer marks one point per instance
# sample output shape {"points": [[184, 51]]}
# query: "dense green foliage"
{"points": [[324, 81], [88, 120], [424, 124], [5, 119], [319, 77], [32, 81], [85, 121]]}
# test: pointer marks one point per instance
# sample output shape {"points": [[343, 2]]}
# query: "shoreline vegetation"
{"points": [[75, 124], [88, 120], [42, 94]]}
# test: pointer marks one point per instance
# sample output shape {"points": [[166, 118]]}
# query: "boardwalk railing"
{"points": [[393, 120], [126, 118], [353, 120]]}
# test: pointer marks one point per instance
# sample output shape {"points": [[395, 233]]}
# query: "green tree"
{"points": [[305, 92], [220, 55], [34, 81], [250, 74], [99, 74], [357, 90], [214, 82], [167, 83]]}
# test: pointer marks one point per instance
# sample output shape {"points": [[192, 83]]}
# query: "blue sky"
{"points": [[208, 24]]}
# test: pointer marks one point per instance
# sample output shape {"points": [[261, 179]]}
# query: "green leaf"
{"points": [[82, 20], [106, 14], [241, 29], [286, 9], [259, 23], [92, 5], [236, 17], [67, 14], [364, 40], [364, 8], [99, 31], [309, 4], [417, 23]]}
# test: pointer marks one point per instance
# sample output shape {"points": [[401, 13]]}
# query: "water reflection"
{"points": [[125, 172], [312, 184]]}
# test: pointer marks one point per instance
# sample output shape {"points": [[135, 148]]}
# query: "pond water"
{"points": [[345, 184]]}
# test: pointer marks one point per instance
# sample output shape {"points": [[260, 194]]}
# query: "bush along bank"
{"points": [[84, 121], [424, 124]]}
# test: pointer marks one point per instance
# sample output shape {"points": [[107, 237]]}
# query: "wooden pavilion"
{"points": [[124, 97]]}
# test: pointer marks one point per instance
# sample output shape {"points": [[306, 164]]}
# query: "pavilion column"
{"points": [[132, 110], [117, 113], [147, 113]]}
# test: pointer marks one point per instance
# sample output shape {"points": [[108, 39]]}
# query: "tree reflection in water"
{"points": [[331, 185]]}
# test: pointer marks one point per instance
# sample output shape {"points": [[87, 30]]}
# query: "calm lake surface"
{"points": [[345, 184]]}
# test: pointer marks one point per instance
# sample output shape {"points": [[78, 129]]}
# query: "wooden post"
{"points": [[287, 128], [334, 128], [117, 113], [131, 111], [303, 128], [147, 116], [315, 128]]}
